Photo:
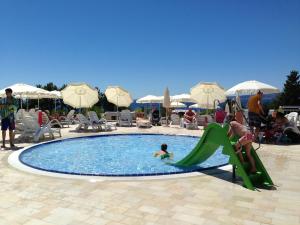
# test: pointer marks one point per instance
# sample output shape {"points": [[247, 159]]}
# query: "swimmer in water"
{"points": [[163, 153]]}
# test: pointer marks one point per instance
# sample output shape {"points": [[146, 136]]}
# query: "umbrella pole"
{"points": [[38, 102], [167, 117], [207, 106], [117, 109], [21, 102]]}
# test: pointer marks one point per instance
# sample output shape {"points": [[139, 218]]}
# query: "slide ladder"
{"points": [[214, 137]]}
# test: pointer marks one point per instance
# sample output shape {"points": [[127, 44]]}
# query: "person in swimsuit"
{"points": [[189, 116], [163, 153], [245, 140]]}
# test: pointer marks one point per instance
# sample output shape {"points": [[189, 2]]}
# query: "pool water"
{"points": [[115, 155]]}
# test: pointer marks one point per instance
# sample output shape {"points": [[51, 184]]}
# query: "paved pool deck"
{"points": [[29, 199]]}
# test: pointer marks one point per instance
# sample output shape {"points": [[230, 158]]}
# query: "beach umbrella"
{"points": [[80, 95], [118, 96], [150, 99], [26, 91], [194, 106], [238, 100], [182, 98], [206, 94], [167, 99], [55, 95], [251, 87], [177, 105]]}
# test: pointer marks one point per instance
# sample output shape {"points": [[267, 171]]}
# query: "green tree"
{"points": [[291, 91], [103, 103]]}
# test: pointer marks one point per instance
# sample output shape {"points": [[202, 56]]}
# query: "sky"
{"points": [[148, 45]]}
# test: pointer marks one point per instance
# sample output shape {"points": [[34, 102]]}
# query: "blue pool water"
{"points": [[115, 155]]}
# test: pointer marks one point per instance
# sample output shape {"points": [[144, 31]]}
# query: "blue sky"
{"points": [[146, 45]]}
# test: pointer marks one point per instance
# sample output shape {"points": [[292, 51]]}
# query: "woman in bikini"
{"points": [[245, 140]]}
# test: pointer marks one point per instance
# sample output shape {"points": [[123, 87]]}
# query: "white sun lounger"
{"points": [[293, 117], [95, 119], [69, 119], [84, 123], [141, 122], [49, 122], [32, 129], [125, 118], [175, 119]]}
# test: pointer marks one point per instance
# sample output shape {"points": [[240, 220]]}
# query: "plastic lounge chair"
{"points": [[204, 120], [33, 113], [163, 121], [32, 129], [84, 123], [125, 118], [141, 122], [52, 123], [191, 125], [293, 117], [95, 119], [69, 119], [175, 119], [19, 115]]}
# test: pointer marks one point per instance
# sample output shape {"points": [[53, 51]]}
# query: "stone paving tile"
{"points": [[210, 199]]}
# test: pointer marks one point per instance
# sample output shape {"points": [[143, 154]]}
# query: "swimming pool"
{"points": [[115, 155]]}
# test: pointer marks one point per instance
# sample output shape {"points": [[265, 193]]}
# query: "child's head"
{"points": [[164, 147]]}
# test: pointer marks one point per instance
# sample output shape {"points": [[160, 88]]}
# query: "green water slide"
{"points": [[214, 137]]}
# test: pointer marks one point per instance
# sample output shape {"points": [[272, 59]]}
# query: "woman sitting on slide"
{"points": [[245, 140]]}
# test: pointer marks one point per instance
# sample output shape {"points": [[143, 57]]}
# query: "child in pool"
{"points": [[163, 153], [245, 140]]}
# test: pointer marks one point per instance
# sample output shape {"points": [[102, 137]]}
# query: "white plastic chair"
{"points": [[125, 118], [69, 119], [141, 122], [52, 124], [95, 119], [292, 116], [32, 129], [175, 119], [84, 123]]}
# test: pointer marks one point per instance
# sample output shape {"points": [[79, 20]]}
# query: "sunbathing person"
{"points": [[155, 118], [190, 116], [285, 128], [163, 153], [245, 140]]}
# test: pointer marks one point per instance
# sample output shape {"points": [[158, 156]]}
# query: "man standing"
{"points": [[8, 106], [255, 112]]}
